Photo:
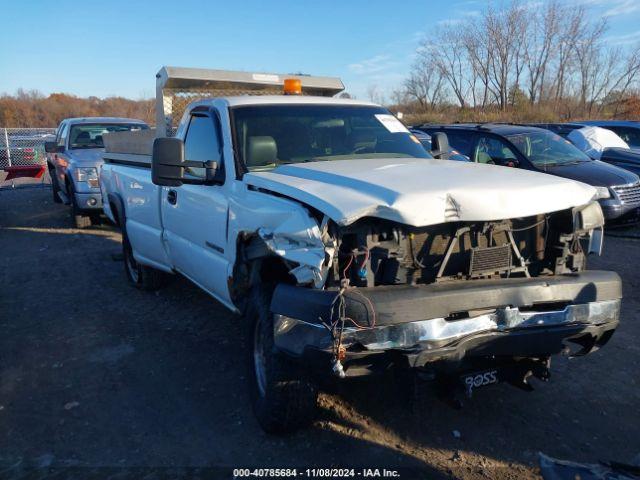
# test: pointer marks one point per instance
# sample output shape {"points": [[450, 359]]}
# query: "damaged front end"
{"points": [[308, 250], [440, 298]]}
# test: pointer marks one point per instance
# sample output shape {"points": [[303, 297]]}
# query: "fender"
{"points": [[115, 200]]}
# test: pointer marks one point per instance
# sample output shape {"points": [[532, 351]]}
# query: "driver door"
{"points": [[492, 150], [194, 217], [58, 159]]}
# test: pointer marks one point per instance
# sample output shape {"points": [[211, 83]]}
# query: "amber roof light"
{"points": [[292, 86]]}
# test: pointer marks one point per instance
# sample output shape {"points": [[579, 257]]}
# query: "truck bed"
{"points": [[134, 147]]}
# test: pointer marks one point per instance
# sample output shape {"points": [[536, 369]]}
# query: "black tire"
{"points": [[283, 400], [141, 276], [80, 220], [55, 186]]}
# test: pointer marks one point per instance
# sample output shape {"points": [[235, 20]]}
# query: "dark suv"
{"points": [[541, 150], [627, 158]]}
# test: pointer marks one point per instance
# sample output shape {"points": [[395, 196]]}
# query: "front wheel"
{"points": [[80, 220], [283, 401], [141, 276], [55, 186]]}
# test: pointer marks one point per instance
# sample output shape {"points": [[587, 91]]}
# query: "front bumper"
{"points": [[89, 201], [446, 326], [617, 212]]}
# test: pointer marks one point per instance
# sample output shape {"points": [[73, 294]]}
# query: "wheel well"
{"points": [[114, 212], [117, 209], [256, 264], [274, 269]]}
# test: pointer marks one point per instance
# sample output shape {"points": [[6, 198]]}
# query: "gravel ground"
{"points": [[99, 378]]}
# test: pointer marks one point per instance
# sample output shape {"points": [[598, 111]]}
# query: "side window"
{"points": [[201, 143], [461, 142], [493, 151], [63, 135]]}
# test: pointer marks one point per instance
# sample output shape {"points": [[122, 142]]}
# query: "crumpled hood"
{"points": [[86, 157], [421, 192]]}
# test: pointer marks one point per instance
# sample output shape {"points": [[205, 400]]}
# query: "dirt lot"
{"points": [[98, 377]]}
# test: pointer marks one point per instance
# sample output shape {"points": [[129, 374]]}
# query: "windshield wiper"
{"points": [[573, 162], [297, 161]]}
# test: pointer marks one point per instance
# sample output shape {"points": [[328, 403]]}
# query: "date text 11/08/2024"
{"points": [[316, 473]]}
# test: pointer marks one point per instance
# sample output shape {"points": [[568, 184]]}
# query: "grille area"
{"points": [[490, 260], [628, 194]]}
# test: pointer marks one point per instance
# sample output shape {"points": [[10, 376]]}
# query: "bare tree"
{"points": [[399, 96], [447, 50], [592, 68], [544, 54], [628, 75], [477, 50], [570, 27], [504, 30], [539, 46], [517, 19], [426, 81], [609, 74], [375, 95]]}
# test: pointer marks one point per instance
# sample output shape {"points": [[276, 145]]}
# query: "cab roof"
{"points": [[288, 100], [104, 120], [498, 128], [612, 123]]}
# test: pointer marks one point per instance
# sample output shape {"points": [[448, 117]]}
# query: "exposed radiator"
{"points": [[486, 261]]}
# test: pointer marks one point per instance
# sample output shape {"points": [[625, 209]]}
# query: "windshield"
{"points": [[424, 141], [89, 135], [268, 136], [546, 149]]}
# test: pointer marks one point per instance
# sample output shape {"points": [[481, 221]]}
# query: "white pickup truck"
{"points": [[346, 248]]}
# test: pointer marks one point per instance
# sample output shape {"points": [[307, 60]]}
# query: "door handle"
{"points": [[172, 197]]}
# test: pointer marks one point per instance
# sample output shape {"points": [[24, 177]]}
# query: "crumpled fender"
{"points": [[287, 229], [299, 242]]}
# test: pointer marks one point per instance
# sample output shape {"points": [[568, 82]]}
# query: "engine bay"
{"points": [[375, 252]]}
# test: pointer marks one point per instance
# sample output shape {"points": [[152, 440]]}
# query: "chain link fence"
{"points": [[23, 147]]}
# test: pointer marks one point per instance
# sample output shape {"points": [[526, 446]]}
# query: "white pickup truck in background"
{"points": [[346, 248]]}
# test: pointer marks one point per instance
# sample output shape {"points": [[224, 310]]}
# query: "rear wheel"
{"points": [[141, 276], [283, 401]]}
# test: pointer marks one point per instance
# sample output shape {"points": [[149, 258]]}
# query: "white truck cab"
{"points": [[347, 249]]}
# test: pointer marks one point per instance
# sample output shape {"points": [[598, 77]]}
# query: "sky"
{"points": [[115, 47]]}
